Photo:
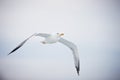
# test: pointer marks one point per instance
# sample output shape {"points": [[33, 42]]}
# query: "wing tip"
{"points": [[9, 53], [77, 68], [12, 51]]}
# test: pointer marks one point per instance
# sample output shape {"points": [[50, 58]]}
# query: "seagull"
{"points": [[50, 39]]}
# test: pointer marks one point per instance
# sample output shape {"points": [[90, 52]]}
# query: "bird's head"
{"points": [[60, 34]]}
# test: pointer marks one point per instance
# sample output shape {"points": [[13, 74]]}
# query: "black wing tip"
{"points": [[9, 53], [77, 68]]}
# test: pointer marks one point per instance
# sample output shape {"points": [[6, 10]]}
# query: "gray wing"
{"points": [[75, 52], [42, 34], [22, 43]]}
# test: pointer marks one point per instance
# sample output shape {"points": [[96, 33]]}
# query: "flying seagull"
{"points": [[50, 39]]}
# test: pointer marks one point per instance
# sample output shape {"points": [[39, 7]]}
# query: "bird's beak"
{"points": [[61, 34]]}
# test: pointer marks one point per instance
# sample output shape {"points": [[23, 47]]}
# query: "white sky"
{"points": [[93, 25]]}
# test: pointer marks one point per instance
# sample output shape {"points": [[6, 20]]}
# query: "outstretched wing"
{"points": [[22, 43], [75, 52], [42, 34]]}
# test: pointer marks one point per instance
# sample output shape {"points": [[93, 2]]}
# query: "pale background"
{"points": [[93, 25]]}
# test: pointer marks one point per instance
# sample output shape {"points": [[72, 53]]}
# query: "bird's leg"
{"points": [[43, 42]]}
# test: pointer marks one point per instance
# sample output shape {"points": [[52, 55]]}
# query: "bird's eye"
{"points": [[57, 33]]}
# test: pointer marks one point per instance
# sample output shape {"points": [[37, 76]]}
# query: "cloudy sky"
{"points": [[93, 25]]}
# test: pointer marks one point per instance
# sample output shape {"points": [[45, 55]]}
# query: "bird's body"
{"points": [[50, 39]]}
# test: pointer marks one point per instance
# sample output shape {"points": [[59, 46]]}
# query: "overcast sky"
{"points": [[93, 25]]}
